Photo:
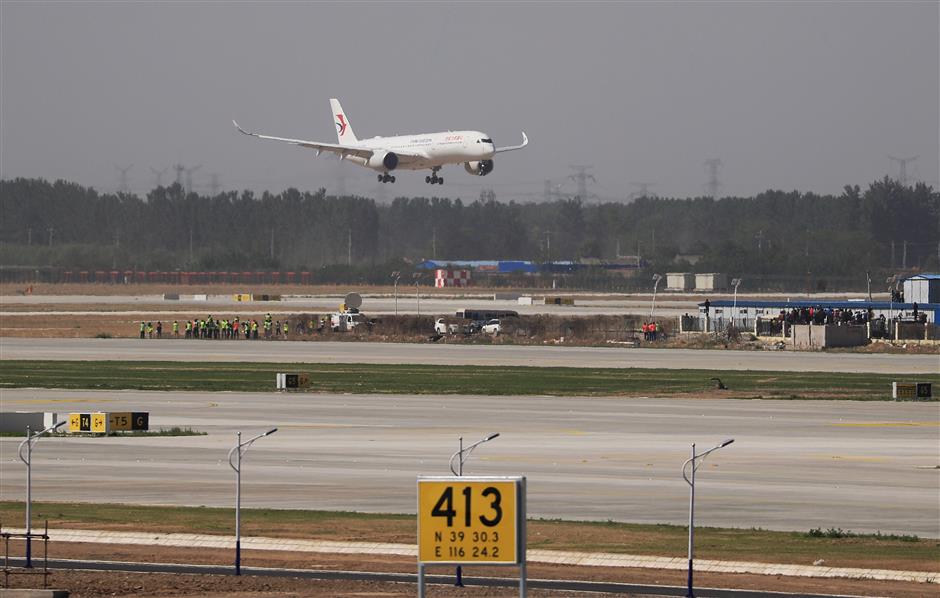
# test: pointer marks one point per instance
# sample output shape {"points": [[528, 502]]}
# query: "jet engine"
{"points": [[383, 161], [479, 168]]}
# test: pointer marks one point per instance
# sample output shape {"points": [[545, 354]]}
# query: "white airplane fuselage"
{"points": [[436, 149], [473, 149]]}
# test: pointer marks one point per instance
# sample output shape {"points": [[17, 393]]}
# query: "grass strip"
{"points": [[756, 545], [429, 379]]}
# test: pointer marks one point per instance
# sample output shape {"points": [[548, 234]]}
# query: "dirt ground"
{"points": [[100, 584]]}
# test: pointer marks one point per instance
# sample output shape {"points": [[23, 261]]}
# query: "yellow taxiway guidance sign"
{"points": [[471, 519]]}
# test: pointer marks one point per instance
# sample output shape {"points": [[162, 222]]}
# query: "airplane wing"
{"points": [[340, 150], [509, 148]]}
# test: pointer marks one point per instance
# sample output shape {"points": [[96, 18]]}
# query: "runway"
{"points": [[794, 465], [458, 354]]}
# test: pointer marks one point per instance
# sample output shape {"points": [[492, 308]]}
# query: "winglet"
{"points": [[241, 129], [525, 142]]}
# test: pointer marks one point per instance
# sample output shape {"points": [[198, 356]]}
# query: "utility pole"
{"points": [[760, 241], [214, 185], [189, 177], [123, 187], [713, 184], [551, 191], [51, 230], [349, 248], [904, 255], [179, 168], [581, 177], [902, 167], [158, 176], [643, 190], [548, 246]]}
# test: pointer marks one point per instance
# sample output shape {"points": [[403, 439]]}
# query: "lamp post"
{"points": [[656, 279], [31, 439], [461, 456], [735, 282], [695, 461], [236, 452], [417, 276], [395, 276]]}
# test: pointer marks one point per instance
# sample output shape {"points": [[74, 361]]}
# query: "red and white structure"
{"points": [[451, 278]]}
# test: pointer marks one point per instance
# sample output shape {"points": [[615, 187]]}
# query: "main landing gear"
{"points": [[434, 179], [386, 178]]}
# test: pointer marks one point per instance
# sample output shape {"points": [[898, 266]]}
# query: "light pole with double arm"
{"points": [[31, 439], [695, 461], [237, 451]]}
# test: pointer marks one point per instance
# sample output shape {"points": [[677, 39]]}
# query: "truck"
{"points": [[345, 321]]}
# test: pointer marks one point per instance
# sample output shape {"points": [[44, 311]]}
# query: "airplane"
{"points": [[406, 152]]}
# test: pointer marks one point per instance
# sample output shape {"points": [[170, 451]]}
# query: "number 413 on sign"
{"points": [[471, 520]]}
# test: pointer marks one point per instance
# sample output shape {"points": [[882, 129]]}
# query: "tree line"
{"points": [[775, 233]]}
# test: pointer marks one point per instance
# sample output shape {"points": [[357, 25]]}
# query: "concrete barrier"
{"points": [[16, 421], [817, 337]]}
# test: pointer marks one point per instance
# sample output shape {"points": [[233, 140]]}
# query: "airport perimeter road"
{"points": [[457, 354], [795, 465]]}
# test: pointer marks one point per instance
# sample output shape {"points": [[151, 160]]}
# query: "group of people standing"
{"points": [[221, 328], [650, 331]]}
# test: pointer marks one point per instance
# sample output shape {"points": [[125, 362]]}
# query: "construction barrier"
{"points": [[451, 278]]}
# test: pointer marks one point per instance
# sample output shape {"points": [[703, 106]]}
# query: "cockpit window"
{"points": [[486, 140]]}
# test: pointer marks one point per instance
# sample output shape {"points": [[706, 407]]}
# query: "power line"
{"points": [[124, 187], [902, 167], [643, 190], [158, 176], [581, 177], [713, 184]]}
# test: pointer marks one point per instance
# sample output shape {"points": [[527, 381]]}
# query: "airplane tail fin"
{"points": [[344, 130]]}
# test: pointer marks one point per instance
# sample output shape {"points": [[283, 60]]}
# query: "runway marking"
{"points": [[41, 401], [861, 459], [325, 425], [887, 424]]}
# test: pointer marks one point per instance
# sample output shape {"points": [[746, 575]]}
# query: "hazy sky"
{"points": [[806, 96]]}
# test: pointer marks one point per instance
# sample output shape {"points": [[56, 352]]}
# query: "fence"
{"points": [[56, 275]]}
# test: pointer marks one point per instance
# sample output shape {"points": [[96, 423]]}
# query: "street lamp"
{"points": [[461, 456], [31, 439], [656, 279], [395, 276], [735, 282], [417, 276], [695, 461], [237, 451]]}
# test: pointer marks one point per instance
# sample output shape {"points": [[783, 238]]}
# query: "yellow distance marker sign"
{"points": [[471, 519]]}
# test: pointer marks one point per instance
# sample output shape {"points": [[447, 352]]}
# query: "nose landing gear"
{"points": [[386, 178]]}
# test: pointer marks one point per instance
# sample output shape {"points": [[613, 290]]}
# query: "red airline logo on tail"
{"points": [[341, 125]]}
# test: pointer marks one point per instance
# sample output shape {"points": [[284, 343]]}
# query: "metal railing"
{"points": [[9, 570]]}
